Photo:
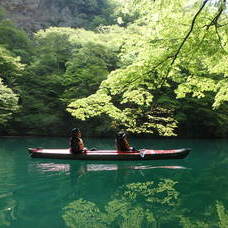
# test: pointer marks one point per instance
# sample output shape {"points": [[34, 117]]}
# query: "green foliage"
{"points": [[10, 69], [15, 40], [187, 57], [13, 45], [160, 70], [222, 93], [86, 69], [52, 51], [8, 103], [222, 214], [69, 63], [10, 66], [94, 105]]}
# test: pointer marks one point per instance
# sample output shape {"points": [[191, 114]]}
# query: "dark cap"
{"points": [[121, 134], [75, 130]]}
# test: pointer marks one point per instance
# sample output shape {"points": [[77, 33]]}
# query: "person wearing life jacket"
{"points": [[122, 143], [76, 142]]}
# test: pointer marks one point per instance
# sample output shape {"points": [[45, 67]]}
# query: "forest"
{"points": [[149, 67]]}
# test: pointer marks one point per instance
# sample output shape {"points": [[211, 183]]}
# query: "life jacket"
{"points": [[76, 145], [122, 144]]}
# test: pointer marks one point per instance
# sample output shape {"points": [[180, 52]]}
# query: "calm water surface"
{"points": [[175, 193]]}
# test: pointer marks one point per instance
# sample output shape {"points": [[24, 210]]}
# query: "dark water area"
{"points": [[192, 192]]}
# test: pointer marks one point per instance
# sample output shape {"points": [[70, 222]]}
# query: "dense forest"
{"points": [[156, 67]]}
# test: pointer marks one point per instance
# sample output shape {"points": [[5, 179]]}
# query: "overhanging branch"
{"points": [[214, 21], [189, 32]]}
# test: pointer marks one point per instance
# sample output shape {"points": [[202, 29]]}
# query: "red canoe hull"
{"points": [[109, 154]]}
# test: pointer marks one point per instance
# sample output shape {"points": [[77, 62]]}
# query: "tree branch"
{"points": [[215, 19], [189, 32], [214, 22], [220, 39], [175, 55], [218, 25]]}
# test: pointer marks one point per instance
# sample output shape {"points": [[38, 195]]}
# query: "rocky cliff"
{"points": [[32, 15]]}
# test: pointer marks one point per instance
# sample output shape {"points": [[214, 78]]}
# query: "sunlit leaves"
{"points": [[8, 103], [121, 73], [10, 66], [10, 69], [139, 97], [189, 55], [197, 86], [222, 215], [92, 106], [222, 93], [151, 120], [156, 120]]}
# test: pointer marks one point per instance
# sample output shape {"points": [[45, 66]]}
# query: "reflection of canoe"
{"points": [[109, 154], [55, 167]]}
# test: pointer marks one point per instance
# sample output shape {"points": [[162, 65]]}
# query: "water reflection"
{"points": [[115, 200], [143, 204], [186, 193], [90, 167], [7, 209], [133, 195], [139, 204]]}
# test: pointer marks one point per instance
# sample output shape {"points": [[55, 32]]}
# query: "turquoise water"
{"points": [[52, 193]]}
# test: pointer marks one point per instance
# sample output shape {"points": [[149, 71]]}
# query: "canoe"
{"points": [[144, 154]]}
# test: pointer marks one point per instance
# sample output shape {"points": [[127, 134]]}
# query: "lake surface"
{"points": [[192, 192]]}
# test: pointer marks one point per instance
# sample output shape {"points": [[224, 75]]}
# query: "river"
{"points": [[192, 192]]}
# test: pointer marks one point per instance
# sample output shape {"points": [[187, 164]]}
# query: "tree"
{"points": [[8, 103], [87, 68], [187, 58], [15, 40], [10, 68], [69, 63]]}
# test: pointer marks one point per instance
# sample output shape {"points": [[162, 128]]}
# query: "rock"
{"points": [[32, 15]]}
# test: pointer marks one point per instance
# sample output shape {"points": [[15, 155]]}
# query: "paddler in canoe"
{"points": [[76, 142], [122, 143]]}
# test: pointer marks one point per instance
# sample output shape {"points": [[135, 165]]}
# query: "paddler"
{"points": [[122, 143], [76, 142]]}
